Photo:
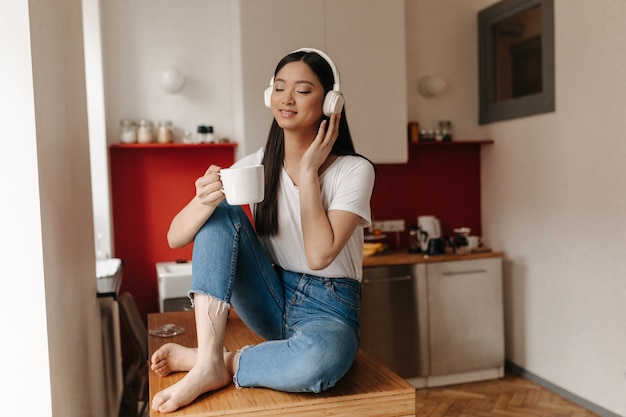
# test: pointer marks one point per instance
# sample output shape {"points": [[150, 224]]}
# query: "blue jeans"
{"points": [[310, 324]]}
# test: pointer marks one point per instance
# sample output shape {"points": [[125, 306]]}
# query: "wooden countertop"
{"points": [[368, 389], [405, 258]]}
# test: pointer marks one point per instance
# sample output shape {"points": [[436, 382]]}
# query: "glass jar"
{"points": [[414, 128], [188, 137], [128, 131], [446, 129], [203, 134], [164, 133], [210, 137], [145, 132]]}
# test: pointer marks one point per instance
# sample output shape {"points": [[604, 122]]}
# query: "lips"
{"points": [[287, 113]]}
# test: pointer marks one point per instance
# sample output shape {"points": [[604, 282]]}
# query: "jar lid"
{"points": [[145, 122], [165, 123], [127, 122], [203, 129]]}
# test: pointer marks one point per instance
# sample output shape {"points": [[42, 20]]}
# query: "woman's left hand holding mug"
{"points": [[208, 187]]}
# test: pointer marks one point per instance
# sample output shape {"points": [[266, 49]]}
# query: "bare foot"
{"points": [[172, 357], [200, 379]]}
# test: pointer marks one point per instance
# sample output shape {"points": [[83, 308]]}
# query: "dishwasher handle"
{"points": [[387, 279], [468, 272]]}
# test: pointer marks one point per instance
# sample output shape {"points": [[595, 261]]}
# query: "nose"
{"points": [[287, 97]]}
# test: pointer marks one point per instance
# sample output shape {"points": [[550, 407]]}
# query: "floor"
{"points": [[511, 396]]}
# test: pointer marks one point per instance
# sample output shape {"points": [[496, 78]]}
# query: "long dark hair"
{"points": [[266, 212]]}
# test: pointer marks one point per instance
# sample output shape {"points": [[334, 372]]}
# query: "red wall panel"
{"points": [[440, 179], [149, 185]]}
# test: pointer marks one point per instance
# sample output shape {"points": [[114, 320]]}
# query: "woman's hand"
{"points": [[209, 187], [320, 148], [325, 234], [190, 219]]}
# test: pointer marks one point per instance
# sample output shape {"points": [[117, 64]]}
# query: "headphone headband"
{"points": [[336, 85], [333, 101]]}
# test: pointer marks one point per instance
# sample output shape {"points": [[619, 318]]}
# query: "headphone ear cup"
{"points": [[333, 103], [267, 96]]}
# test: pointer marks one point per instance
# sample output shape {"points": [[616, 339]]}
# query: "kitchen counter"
{"points": [[109, 284], [368, 389], [402, 257], [435, 320]]}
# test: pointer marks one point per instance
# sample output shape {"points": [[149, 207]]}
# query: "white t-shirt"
{"points": [[346, 185]]}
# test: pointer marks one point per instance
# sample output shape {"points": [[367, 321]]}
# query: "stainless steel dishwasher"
{"points": [[389, 318]]}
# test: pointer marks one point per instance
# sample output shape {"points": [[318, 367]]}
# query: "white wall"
{"points": [[143, 37], [51, 345], [442, 39], [23, 308], [554, 201], [97, 127], [553, 197]]}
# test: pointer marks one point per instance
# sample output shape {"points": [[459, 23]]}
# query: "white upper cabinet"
{"points": [[366, 40]]}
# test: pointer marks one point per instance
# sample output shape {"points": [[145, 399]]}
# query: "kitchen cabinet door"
{"points": [[270, 29], [466, 326], [366, 40]]}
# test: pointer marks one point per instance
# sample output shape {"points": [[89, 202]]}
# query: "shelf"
{"points": [[172, 145], [452, 143]]}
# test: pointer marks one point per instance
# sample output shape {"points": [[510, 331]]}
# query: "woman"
{"points": [[295, 278]]}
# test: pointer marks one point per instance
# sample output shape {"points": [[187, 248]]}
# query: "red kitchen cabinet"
{"points": [[150, 183]]}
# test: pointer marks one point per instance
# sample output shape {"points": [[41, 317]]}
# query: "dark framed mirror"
{"points": [[516, 59]]}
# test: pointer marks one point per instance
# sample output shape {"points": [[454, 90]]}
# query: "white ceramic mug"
{"points": [[473, 242], [244, 185]]}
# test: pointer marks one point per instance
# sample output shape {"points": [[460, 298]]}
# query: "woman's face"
{"points": [[297, 98]]}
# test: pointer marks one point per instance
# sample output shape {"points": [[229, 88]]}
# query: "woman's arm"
{"points": [[325, 233], [190, 219]]}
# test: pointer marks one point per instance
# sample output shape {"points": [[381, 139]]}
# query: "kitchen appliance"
{"points": [[389, 319], [174, 283], [460, 240], [415, 320], [430, 235]]}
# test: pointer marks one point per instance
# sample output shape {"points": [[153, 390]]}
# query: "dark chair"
{"points": [[135, 398]]}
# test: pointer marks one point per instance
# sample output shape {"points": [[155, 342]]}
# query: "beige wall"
{"points": [[51, 346], [553, 198], [23, 308]]}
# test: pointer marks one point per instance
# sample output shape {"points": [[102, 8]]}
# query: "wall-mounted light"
{"points": [[172, 80], [431, 85]]}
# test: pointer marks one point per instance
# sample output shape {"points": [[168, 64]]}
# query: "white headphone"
{"points": [[333, 102]]}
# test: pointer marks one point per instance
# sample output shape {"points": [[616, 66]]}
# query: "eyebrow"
{"points": [[297, 82]]}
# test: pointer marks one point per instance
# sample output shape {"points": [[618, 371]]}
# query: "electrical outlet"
{"points": [[389, 225]]}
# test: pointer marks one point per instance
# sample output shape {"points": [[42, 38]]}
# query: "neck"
{"points": [[296, 143]]}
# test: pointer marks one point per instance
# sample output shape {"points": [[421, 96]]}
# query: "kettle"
{"points": [[429, 231]]}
